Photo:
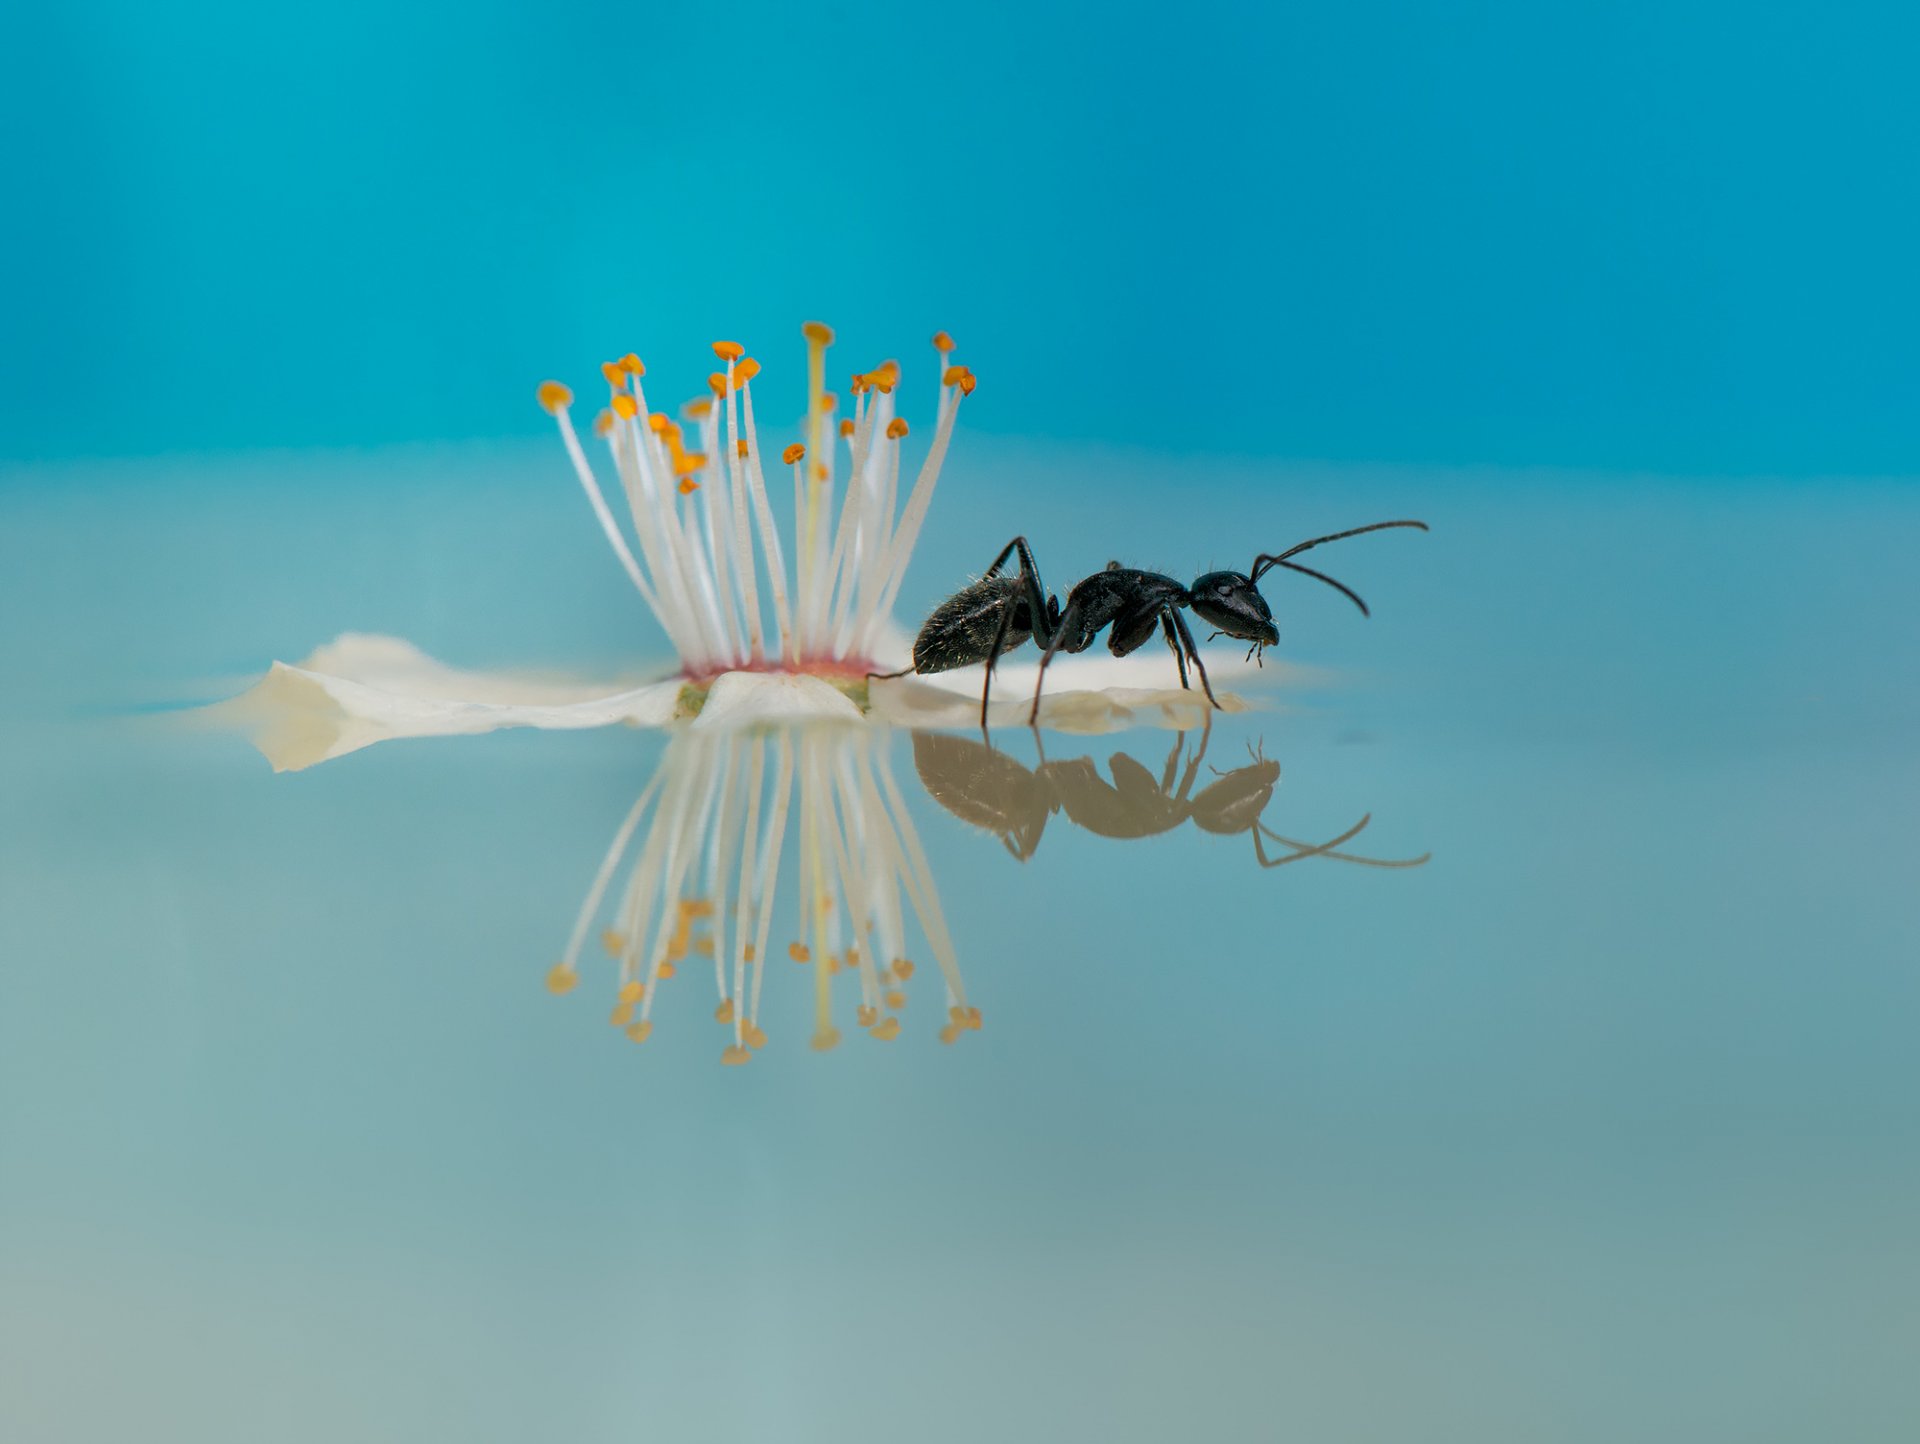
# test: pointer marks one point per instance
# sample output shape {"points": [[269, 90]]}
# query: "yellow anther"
{"points": [[827, 1038], [603, 423], [624, 405], [896, 1000], [622, 1015], [793, 453], [632, 991], [703, 946], [688, 462], [858, 385], [846, 426], [729, 350], [966, 382], [734, 1054], [866, 1015], [630, 363], [828, 401], [667, 969], [561, 979], [615, 373], [902, 968], [953, 374], [745, 371], [717, 382], [688, 486], [661, 424], [755, 1035], [833, 964], [799, 953], [724, 1013], [820, 472], [973, 1019], [818, 333], [554, 397], [942, 342], [641, 1031], [887, 1030], [853, 957], [896, 428], [740, 447], [949, 1033], [747, 953], [698, 407]]}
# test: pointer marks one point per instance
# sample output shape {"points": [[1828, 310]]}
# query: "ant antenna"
{"points": [[1264, 563]]}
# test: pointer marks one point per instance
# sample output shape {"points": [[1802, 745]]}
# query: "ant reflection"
{"points": [[981, 785]]}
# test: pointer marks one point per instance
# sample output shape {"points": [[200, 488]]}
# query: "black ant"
{"points": [[998, 613]]}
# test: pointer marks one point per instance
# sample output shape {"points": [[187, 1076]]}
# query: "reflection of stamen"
{"points": [[703, 880]]}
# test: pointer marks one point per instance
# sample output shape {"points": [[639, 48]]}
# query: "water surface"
{"points": [[1599, 1124]]}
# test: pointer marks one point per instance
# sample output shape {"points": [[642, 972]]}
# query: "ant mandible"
{"points": [[999, 613]]}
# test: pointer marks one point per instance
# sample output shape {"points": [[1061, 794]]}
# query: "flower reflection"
{"points": [[982, 785], [692, 876], [701, 885]]}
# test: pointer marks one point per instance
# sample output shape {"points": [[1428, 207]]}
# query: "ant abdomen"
{"points": [[961, 629]]}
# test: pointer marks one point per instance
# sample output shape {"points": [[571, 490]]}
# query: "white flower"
{"points": [[755, 643]]}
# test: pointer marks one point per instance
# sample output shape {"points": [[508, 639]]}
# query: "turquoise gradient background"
{"points": [[1600, 1127], [1666, 237]]}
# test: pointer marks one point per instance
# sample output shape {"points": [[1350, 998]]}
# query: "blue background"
{"points": [[1639, 236], [1599, 1127]]}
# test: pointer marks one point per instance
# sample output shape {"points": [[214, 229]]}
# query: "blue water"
{"points": [[1599, 1125]]}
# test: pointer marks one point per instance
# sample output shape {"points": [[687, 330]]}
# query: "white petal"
{"points": [[298, 716], [361, 689], [747, 699], [1087, 693]]}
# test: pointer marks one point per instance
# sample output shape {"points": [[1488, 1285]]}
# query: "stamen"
{"points": [[702, 561]]}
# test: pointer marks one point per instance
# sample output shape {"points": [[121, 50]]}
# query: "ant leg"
{"points": [[993, 654], [1166, 629], [1030, 582], [888, 676], [1193, 653], [1173, 759], [1069, 616]]}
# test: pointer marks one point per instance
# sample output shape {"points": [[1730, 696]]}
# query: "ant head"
{"points": [[1231, 603]]}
